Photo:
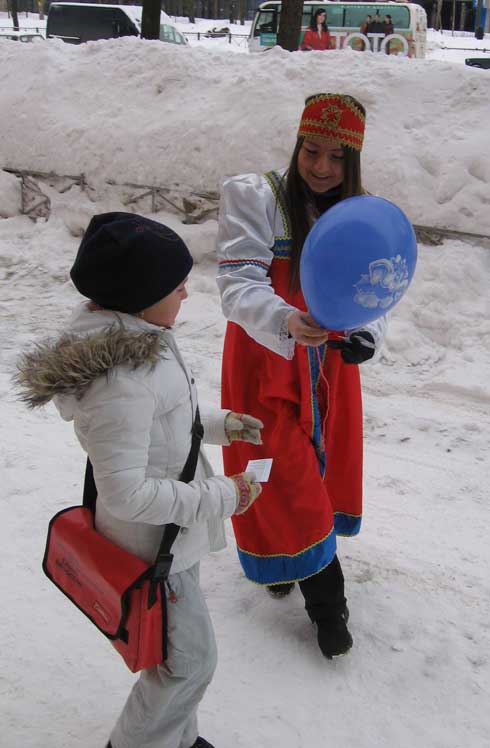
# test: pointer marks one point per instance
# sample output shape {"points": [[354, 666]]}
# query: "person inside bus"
{"points": [[365, 24], [364, 28], [317, 35], [276, 363], [375, 27], [388, 28]]}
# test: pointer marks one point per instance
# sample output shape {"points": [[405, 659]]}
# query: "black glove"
{"points": [[356, 347]]}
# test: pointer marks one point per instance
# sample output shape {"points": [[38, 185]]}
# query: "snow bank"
{"points": [[146, 112]]}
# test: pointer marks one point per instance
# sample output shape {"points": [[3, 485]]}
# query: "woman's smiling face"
{"points": [[321, 164]]}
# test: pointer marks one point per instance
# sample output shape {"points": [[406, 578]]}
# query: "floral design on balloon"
{"points": [[384, 284]]}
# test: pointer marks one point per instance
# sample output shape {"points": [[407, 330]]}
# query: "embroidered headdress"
{"points": [[333, 115]]}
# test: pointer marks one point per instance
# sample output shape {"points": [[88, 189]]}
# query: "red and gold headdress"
{"points": [[333, 116]]}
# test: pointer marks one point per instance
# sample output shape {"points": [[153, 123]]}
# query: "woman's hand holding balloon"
{"points": [[303, 328]]}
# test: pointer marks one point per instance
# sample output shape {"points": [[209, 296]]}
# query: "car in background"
{"points": [[478, 62], [20, 36], [76, 23]]}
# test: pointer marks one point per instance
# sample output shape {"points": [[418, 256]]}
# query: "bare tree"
{"points": [[150, 21], [14, 10], [438, 24], [207, 9], [190, 10], [462, 17], [290, 24], [478, 25], [242, 10]]}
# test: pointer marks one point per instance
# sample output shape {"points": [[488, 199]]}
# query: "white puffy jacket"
{"points": [[123, 383]]}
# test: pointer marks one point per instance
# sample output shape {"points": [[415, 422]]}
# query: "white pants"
{"points": [[161, 711]]}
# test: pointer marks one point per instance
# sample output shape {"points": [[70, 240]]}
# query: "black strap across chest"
{"points": [[163, 559]]}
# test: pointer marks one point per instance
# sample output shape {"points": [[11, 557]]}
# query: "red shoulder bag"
{"points": [[121, 594]]}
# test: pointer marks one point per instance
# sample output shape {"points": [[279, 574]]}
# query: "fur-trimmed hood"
{"points": [[69, 365], [137, 430]]}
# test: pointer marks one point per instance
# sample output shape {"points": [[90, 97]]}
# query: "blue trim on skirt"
{"points": [[274, 569]]}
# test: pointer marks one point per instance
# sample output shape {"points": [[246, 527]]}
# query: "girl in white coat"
{"points": [[118, 375]]}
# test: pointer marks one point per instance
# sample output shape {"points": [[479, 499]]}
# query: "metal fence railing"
{"points": [[231, 38], [193, 206], [4, 29]]}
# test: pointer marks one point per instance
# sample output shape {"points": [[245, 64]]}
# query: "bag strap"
{"points": [[89, 488], [164, 558], [163, 561]]}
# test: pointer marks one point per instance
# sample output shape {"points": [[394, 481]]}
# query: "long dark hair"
{"points": [[298, 196], [314, 21]]}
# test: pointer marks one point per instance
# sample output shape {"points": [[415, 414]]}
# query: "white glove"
{"points": [[240, 427], [247, 490]]}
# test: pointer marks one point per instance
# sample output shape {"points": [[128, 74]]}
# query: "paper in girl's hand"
{"points": [[261, 469]]}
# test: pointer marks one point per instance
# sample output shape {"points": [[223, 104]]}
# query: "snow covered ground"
{"points": [[417, 576]]}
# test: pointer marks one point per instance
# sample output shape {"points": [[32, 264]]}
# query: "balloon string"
{"points": [[327, 395]]}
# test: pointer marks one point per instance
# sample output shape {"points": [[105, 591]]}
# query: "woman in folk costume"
{"points": [[277, 365]]}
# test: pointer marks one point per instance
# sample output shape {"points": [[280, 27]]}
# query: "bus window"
{"points": [[355, 15], [400, 17], [308, 11], [335, 15], [266, 23]]}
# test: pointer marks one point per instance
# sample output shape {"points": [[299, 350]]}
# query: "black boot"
{"points": [[280, 590], [334, 638], [201, 743], [326, 606]]}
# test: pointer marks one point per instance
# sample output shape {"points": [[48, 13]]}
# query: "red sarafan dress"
{"points": [[308, 398], [316, 41]]}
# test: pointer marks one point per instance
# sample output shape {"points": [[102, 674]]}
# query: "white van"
{"points": [[83, 22], [344, 20]]}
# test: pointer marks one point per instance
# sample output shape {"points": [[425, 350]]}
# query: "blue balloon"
{"points": [[357, 262]]}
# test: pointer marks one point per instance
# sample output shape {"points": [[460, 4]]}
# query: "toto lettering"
{"points": [[379, 41]]}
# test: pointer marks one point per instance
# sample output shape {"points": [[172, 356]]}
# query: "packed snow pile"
{"points": [[137, 111]]}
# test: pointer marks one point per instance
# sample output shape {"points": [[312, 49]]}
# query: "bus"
{"points": [[344, 22]]}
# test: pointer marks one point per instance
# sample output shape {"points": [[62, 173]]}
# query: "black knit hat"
{"points": [[127, 263]]}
